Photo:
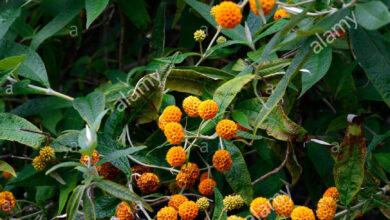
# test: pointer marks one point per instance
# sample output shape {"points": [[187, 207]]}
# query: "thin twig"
{"points": [[275, 170]]}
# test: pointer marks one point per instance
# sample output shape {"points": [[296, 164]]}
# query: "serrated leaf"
{"points": [[74, 202], [10, 126], [122, 193], [105, 206], [90, 108], [66, 142], [71, 9], [158, 33], [94, 8], [239, 171], [349, 166], [32, 67]]}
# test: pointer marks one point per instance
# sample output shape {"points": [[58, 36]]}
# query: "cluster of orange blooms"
{"points": [[284, 207], [46, 154], [229, 14]]}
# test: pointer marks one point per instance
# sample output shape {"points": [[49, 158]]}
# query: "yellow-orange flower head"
{"points": [[176, 200], [188, 210], [266, 5], [170, 114], [123, 212], [190, 106], [47, 153], [203, 203], [326, 208], [208, 109], [213, 9], [281, 13], [176, 156], [232, 202], [235, 217], [206, 187], [283, 205], [226, 129], [94, 159], [148, 182], [108, 171], [7, 201], [167, 213], [222, 160], [302, 213], [187, 176], [260, 207], [332, 192], [39, 164], [228, 14], [174, 132]]}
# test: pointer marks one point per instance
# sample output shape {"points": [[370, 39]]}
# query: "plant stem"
{"points": [[47, 91], [275, 170], [152, 166], [205, 55], [296, 4], [220, 215]]}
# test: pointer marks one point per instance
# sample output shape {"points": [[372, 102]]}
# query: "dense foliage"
{"points": [[194, 109]]}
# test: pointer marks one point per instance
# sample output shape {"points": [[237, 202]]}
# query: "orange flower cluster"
{"points": [[176, 156], [123, 212], [108, 171], [187, 176], [94, 159], [148, 182], [222, 161], [7, 201]]}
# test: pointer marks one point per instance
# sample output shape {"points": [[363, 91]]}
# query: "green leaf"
{"points": [[383, 160], [193, 81], [377, 139], [122, 193], [136, 11], [371, 51], [66, 142], [10, 126], [158, 34], [113, 123], [5, 167], [74, 202], [239, 171], [225, 94], [107, 146], [147, 97], [32, 67], [90, 108], [280, 89], [270, 67], [218, 205], [88, 207], [72, 8], [277, 124], [94, 8], [118, 154], [71, 181], [38, 105], [11, 62], [105, 206], [322, 161], [237, 33], [61, 165], [318, 65], [349, 166], [7, 18], [372, 15]]}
